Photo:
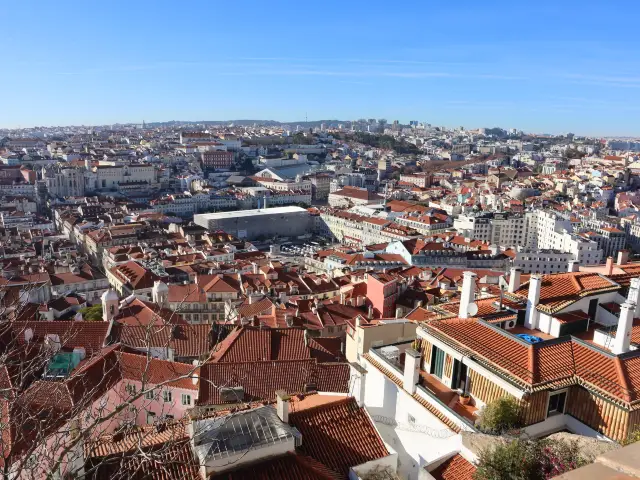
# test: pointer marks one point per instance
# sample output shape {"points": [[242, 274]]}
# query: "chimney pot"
{"points": [[609, 266], [535, 284], [468, 293], [515, 279], [282, 405], [623, 333], [623, 257], [411, 370]]}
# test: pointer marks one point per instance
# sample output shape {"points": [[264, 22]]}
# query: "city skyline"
{"points": [[555, 69]]}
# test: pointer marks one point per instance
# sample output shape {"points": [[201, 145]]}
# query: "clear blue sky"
{"points": [[544, 66]]}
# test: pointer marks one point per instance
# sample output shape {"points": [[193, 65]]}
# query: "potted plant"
{"points": [[465, 398]]}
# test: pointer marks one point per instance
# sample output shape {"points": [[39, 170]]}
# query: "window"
{"points": [[166, 396], [437, 362], [557, 402], [149, 395], [186, 399], [130, 389], [151, 417]]}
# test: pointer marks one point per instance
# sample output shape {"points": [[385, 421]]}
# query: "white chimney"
{"points": [[535, 284], [468, 293], [574, 266], [623, 333], [623, 257], [634, 295], [514, 279], [282, 405], [411, 370]]}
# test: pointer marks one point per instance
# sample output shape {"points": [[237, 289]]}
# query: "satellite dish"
{"points": [[472, 309]]}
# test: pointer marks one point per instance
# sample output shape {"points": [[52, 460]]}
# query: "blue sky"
{"points": [[544, 66]]}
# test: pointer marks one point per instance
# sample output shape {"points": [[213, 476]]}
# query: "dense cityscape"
{"points": [[319, 300]]}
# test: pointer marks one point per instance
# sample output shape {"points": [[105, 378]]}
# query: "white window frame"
{"points": [[167, 396], [186, 396], [151, 416], [564, 407]]}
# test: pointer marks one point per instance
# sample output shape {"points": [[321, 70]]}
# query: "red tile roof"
{"points": [[261, 380], [563, 359], [339, 434], [185, 340], [139, 312], [248, 344], [455, 468], [155, 371], [89, 335], [562, 289], [290, 466]]}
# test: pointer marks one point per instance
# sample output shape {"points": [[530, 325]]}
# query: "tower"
{"points": [[110, 305], [160, 293]]}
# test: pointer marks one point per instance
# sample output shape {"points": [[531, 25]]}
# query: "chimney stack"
{"points": [[574, 266], [411, 370], [634, 295], [623, 257], [468, 293], [535, 284], [282, 405], [608, 269], [514, 279], [623, 334]]}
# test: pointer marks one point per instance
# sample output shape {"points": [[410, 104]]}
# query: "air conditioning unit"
{"points": [[509, 324], [390, 352]]}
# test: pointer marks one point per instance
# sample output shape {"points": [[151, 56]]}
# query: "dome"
{"points": [[160, 287], [110, 296]]}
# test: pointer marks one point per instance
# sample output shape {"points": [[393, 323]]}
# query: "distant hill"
{"points": [[271, 123]]}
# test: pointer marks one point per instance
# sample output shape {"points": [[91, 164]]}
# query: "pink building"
{"points": [[382, 293]]}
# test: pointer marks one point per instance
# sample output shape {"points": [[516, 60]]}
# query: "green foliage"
{"points": [[633, 437], [500, 415], [92, 313], [529, 460], [380, 141], [572, 153]]}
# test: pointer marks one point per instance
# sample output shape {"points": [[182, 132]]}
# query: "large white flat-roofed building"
{"points": [[250, 224]]}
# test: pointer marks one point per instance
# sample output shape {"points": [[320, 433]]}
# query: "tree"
{"points": [[529, 460], [92, 313], [61, 416], [500, 415]]}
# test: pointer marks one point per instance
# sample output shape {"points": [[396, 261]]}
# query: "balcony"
{"points": [[440, 400], [448, 397]]}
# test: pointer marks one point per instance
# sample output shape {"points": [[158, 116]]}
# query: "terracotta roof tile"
{"points": [[290, 466], [261, 380], [155, 371], [247, 344], [561, 290], [339, 435], [455, 468], [185, 340]]}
